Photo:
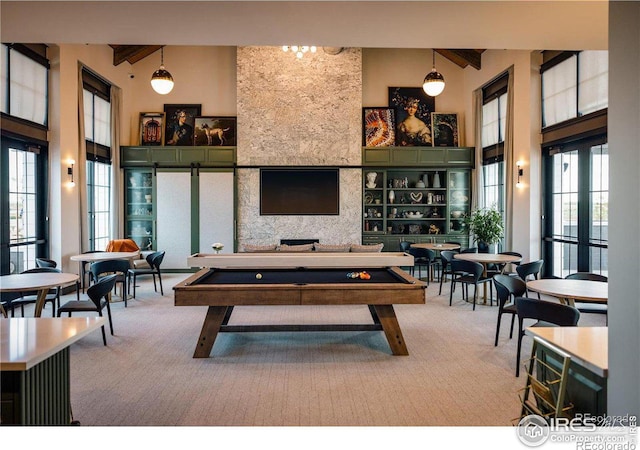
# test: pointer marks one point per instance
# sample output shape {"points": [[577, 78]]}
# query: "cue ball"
{"points": [[258, 276]]}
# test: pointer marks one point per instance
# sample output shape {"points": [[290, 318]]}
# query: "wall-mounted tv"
{"points": [[299, 191]]}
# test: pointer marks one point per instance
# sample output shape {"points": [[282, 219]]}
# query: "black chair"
{"points": [[84, 266], [154, 259], [467, 272], [547, 314], [470, 250], [507, 289], [53, 296], [98, 299], [445, 261], [423, 257], [498, 268], [120, 267], [454, 243], [44, 262], [530, 270], [590, 307], [405, 246]]}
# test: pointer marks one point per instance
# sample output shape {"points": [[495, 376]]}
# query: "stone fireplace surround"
{"points": [[299, 112]]}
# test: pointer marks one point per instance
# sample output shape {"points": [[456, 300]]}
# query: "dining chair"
{"points": [[31, 297], [154, 259], [498, 268], [591, 307], [98, 294], [507, 289], [423, 257], [467, 273], [120, 267], [546, 314], [44, 262], [84, 267], [445, 262], [470, 250], [530, 271]]}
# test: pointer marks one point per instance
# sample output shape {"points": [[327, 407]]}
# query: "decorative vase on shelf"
{"points": [[425, 180], [392, 196], [436, 180]]}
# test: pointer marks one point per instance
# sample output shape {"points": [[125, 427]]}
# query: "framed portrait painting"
{"points": [[378, 127], [413, 110], [152, 128], [180, 121], [445, 129], [215, 131]]}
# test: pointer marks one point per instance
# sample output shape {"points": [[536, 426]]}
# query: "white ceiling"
{"points": [[538, 24]]}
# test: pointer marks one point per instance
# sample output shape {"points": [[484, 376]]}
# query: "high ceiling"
{"points": [[514, 25], [134, 53]]}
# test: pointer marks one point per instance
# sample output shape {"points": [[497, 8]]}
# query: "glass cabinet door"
{"points": [[140, 211], [459, 200]]}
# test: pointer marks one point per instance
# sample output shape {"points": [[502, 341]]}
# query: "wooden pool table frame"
{"points": [[222, 298]]}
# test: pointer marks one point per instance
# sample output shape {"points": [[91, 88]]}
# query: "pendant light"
{"points": [[434, 81], [161, 80]]}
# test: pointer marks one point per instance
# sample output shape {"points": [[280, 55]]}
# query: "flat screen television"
{"points": [[299, 191]]}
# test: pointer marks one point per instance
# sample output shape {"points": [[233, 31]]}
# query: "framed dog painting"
{"points": [[180, 123], [215, 131]]}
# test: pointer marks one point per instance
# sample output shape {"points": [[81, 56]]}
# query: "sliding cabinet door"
{"points": [[173, 217], [216, 210]]}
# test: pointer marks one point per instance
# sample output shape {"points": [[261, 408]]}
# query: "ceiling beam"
{"points": [[132, 53], [463, 58]]}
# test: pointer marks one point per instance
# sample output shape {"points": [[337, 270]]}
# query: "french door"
{"points": [[23, 195], [576, 207]]}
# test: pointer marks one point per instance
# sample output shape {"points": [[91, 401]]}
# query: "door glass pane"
{"points": [[565, 195], [22, 210], [599, 207], [565, 259], [99, 189]]}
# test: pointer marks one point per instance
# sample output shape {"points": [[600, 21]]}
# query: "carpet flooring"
{"points": [[146, 376]]}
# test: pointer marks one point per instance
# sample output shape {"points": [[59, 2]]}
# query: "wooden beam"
{"points": [[132, 53], [462, 57]]}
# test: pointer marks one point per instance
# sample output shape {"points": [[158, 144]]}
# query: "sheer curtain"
{"points": [[509, 165], [81, 171], [476, 175], [116, 225]]}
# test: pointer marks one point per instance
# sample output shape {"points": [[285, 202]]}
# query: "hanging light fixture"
{"points": [[299, 50], [161, 80], [434, 81]]}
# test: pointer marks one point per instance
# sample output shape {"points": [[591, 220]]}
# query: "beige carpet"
{"points": [[146, 376]]}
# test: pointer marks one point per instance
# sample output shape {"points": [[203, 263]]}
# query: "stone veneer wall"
{"points": [[299, 112]]}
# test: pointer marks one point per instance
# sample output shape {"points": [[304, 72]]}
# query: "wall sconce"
{"points": [[71, 183], [520, 174]]}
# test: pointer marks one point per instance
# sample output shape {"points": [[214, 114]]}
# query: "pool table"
{"points": [[223, 289]]}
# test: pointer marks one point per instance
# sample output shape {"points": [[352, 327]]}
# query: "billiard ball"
{"points": [[258, 276]]}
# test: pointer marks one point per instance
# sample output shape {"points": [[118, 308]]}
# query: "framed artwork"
{"points": [[180, 122], [152, 128], [445, 129], [378, 127], [413, 110], [215, 131]]}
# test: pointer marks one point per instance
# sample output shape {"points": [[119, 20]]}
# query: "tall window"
{"points": [[97, 130], [494, 115], [575, 162], [23, 158]]}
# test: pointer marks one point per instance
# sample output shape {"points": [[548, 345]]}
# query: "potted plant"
{"points": [[486, 226]]}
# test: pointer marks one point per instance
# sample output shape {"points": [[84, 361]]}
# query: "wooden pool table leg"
{"points": [[214, 318], [389, 322]]}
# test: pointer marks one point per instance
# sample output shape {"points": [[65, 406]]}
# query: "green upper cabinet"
{"points": [[418, 156], [145, 156]]}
